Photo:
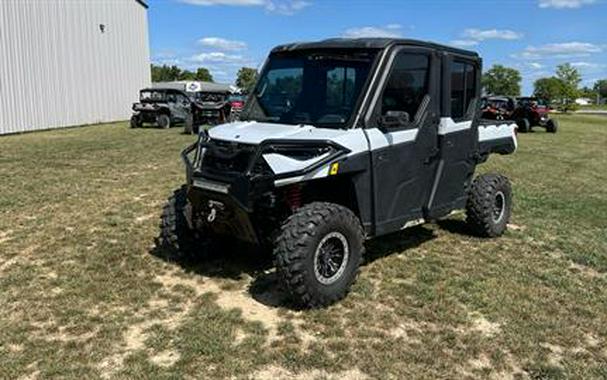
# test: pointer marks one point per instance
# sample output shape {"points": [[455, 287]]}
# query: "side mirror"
{"points": [[394, 119]]}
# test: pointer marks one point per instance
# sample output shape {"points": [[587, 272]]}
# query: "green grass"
{"points": [[83, 296], [602, 107]]}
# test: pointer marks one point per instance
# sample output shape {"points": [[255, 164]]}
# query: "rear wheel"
{"points": [[489, 205], [163, 121], [552, 126], [523, 125], [318, 253]]}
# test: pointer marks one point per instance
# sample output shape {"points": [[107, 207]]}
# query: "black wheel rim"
{"points": [[331, 258], [499, 207]]}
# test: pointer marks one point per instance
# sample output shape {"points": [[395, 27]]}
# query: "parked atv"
{"points": [[237, 102], [210, 108], [531, 112], [343, 141], [162, 106], [497, 107]]}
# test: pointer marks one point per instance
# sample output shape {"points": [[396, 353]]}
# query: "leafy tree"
{"points": [[587, 92], [246, 78], [600, 86], [166, 73], [186, 75], [501, 80], [570, 78], [548, 89], [569, 75], [203, 74]]}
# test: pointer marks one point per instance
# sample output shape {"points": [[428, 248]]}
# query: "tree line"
{"points": [[245, 78], [166, 73], [560, 90]]}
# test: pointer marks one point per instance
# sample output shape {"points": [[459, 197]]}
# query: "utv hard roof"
{"points": [[161, 89], [368, 43]]}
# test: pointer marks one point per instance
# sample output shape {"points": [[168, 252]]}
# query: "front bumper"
{"points": [[218, 211], [225, 201], [220, 207]]}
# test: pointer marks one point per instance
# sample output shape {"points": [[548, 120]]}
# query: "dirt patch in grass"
{"points": [[165, 358], [279, 373]]}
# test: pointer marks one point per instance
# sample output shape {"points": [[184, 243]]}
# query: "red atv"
{"points": [[497, 107], [532, 112], [237, 102]]}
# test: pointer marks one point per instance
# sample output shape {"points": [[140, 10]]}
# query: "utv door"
{"points": [[458, 135], [403, 151]]}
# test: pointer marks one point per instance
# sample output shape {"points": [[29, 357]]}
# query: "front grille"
{"points": [[224, 157]]}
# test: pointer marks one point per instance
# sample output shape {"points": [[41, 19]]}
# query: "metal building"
{"points": [[70, 62]]}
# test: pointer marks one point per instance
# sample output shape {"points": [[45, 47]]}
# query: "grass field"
{"points": [[601, 107], [84, 295]]}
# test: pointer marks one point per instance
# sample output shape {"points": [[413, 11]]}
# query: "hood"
{"points": [[252, 132], [541, 110]]}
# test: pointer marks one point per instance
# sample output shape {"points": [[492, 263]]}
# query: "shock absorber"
{"points": [[293, 196]]}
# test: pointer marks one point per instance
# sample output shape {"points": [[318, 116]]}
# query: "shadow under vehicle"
{"points": [[341, 141]]}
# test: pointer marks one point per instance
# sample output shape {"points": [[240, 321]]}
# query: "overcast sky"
{"points": [[531, 35]]}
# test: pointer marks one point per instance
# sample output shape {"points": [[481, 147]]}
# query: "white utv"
{"points": [[341, 141]]}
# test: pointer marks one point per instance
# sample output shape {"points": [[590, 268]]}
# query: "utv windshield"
{"points": [[320, 88], [210, 97], [152, 96]]}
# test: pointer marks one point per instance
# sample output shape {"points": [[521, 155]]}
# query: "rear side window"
{"points": [[463, 88], [407, 84]]}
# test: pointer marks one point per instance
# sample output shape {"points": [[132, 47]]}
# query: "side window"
{"points": [[407, 84], [463, 88]]}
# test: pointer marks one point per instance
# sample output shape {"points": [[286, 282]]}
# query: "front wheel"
{"points": [[177, 239], [135, 122], [524, 125], [318, 253], [489, 205], [552, 126], [163, 121]]}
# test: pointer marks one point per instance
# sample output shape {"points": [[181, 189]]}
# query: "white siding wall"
{"points": [[57, 69]]}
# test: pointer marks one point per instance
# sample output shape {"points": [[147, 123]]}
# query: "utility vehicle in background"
{"points": [[237, 102], [532, 112], [341, 141], [161, 106], [166, 107], [210, 107], [497, 107]]}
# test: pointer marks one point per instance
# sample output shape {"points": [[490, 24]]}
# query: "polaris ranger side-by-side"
{"points": [[343, 140], [168, 106]]}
